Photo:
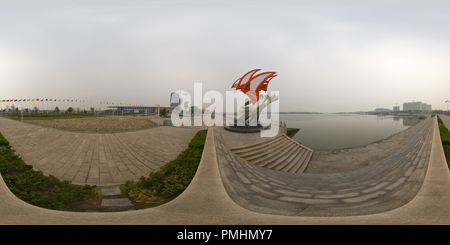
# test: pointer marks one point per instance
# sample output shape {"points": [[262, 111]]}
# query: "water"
{"points": [[335, 131]]}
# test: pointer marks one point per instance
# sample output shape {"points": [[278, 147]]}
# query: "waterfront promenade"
{"points": [[208, 200]]}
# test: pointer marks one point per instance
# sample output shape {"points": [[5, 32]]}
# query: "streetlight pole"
{"points": [[159, 120]]}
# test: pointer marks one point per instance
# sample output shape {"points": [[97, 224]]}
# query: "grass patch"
{"points": [[445, 138], [44, 116], [33, 186], [172, 179]]}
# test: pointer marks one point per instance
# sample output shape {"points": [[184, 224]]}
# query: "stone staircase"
{"points": [[279, 153]]}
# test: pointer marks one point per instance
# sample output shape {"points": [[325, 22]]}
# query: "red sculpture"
{"points": [[250, 84]]}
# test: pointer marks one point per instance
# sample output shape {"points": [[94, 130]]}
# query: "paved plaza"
{"points": [[96, 158], [410, 186]]}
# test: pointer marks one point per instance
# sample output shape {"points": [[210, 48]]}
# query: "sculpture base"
{"points": [[245, 129], [256, 129], [292, 131]]}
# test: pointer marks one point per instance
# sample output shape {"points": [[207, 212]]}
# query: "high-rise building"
{"points": [[407, 106], [424, 107], [416, 107], [396, 108]]}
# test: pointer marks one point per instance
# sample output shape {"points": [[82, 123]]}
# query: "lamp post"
{"points": [[159, 120]]}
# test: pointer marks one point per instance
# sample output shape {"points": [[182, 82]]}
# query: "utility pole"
{"points": [[159, 120]]}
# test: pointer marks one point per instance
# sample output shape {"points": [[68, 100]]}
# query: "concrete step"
{"points": [[114, 202], [303, 165], [279, 153], [249, 150], [258, 152], [297, 162], [280, 157], [268, 153], [255, 145], [117, 202], [279, 164], [292, 159]]}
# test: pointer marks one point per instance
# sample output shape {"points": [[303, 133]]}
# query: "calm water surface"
{"points": [[335, 131]]}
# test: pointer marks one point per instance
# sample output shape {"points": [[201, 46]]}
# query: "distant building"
{"points": [[174, 99], [138, 109], [382, 111], [416, 107], [396, 108], [424, 107]]}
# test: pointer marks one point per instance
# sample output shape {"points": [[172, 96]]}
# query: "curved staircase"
{"points": [[279, 153]]}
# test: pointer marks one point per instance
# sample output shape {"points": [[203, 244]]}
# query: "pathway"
{"points": [[95, 158], [207, 200]]}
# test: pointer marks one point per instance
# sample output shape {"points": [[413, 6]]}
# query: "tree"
{"points": [[70, 109], [92, 109], [56, 110], [36, 109], [163, 112]]}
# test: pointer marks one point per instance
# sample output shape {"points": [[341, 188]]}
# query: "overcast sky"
{"points": [[330, 56]]}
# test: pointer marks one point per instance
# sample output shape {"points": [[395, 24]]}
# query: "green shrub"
{"points": [[445, 138]]}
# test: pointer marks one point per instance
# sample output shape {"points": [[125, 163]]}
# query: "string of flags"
{"points": [[66, 100], [42, 100]]}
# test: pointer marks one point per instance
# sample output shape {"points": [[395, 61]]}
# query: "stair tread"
{"points": [[292, 161]]}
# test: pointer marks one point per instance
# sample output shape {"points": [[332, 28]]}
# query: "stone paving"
{"points": [[96, 158], [385, 185], [208, 200]]}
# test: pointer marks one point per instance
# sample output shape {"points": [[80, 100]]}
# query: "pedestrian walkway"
{"points": [[383, 186], [95, 158], [207, 200]]}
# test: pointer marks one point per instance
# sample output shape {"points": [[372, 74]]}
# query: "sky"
{"points": [[329, 56]]}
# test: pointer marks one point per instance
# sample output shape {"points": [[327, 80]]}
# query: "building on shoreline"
{"points": [[416, 106], [139, 109]]}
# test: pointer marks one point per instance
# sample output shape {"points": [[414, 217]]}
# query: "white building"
{"points": [[424, 107], [416, 107]]}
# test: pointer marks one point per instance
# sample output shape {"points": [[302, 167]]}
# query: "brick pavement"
{"points": [[96, 158], [206, 201]]}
